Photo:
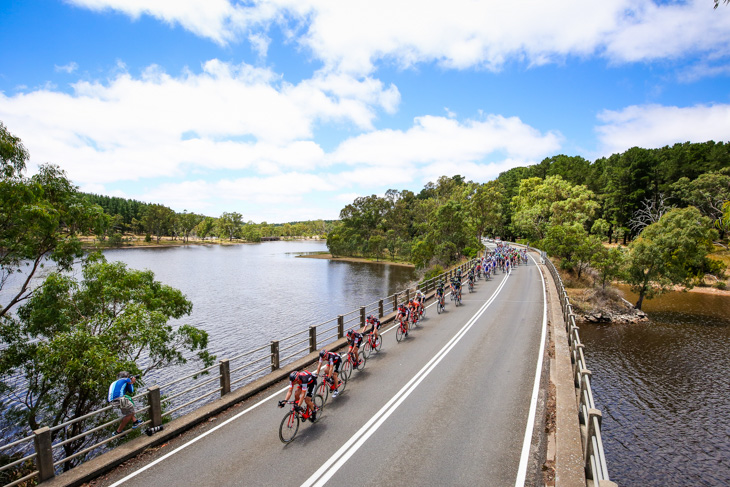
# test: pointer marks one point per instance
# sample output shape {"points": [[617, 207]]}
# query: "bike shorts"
{"points": [[336, 364], [311, 386]]}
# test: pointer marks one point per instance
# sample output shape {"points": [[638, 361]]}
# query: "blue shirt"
{"points": [[120, 388]]}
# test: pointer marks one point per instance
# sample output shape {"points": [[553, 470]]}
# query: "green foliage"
{"points": [[609, 263], [229, 225], [158, 220], [72, 336], [669, 252], [41, 218], [432, 272]]}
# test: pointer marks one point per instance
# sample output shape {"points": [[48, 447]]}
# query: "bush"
{"points": [[721, 285], [148, 238], [433, 272], [116, 240], [470, 252]]}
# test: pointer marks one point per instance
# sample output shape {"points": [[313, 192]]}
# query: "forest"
{"points": [[575, 209]]}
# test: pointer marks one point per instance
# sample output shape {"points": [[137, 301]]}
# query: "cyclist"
{"points": [[415, 309], [458, 274], [470, 275], [374, 326], [440, 292], [403, 315], [421, 300], [297, 382], [355, 339], [332, 367], [456, 286]]}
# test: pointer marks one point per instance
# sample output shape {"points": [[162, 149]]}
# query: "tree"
{"points": [[609, 263], [229, 225], [650, 212], [157, 220], [205, 227], [669, 252], [187, 222], [40, 220], [708, 193], [485, 207], [572, 244], [72, 337]]}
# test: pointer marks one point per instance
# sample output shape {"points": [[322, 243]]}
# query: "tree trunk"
{"points": [[640, 301]]}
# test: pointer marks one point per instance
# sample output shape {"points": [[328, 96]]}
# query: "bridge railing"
{"points": [[47, 443], [589, 416]]}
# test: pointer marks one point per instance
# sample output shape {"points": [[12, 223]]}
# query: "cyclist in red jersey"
{"points": [[374, 324], [298, 381], [332, 367], [403, 315], [355, 340]]}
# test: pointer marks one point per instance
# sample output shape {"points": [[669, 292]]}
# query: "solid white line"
{"points": [[335, 462], [522, 470], [139, 471]]}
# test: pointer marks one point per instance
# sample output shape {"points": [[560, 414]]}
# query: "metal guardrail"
{"points": [[590, 418], [267, 358]]}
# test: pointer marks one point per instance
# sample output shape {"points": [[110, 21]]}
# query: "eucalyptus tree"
{"points": [[669, 252]]}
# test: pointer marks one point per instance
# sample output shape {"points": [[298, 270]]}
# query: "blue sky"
{"points": [[287, 110]]}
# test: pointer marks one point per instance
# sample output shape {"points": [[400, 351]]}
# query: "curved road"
{"points": [[447, 406]]}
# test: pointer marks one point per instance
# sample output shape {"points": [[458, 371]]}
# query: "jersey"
{"points": [[119, 388]]}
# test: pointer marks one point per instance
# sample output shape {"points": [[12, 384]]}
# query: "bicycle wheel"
{"points": [[423, 311], [439, 308], [378, 343], [366, 349], [289, 427], [346, 370], [343, 384], [323, 389], [363, 360], [399, 333], [318, 406]]}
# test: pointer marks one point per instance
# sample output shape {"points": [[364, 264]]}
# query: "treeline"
{"points": [[126, 216], [567, 205]]}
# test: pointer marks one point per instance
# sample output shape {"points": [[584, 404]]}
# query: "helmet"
{"points": [[322, 353], [293, 376], [350, 333]]}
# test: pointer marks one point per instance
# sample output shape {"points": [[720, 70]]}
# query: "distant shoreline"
{"points": [[89, 243], [328, 256]]}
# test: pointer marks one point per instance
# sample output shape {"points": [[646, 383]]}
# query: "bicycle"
{"points": [[371, 344], [290, 424], [440, 304], [350, 364], [471, 287], [328, 385], [457, 297], [401, 331]]}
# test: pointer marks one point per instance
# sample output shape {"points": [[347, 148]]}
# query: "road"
{"points": [[449, 405]]}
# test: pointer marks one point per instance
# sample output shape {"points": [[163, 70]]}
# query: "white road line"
{"points": [[522, 470], [335, 462], [139, 471]]}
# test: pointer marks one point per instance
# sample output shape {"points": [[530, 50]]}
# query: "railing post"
{"points": [[153, 400], [225, 368], [362, 316], [274, 355], [591, 432], [44, 454], [312, 339], [395, 302], [380, 309], [340, 326], [408, 295]]}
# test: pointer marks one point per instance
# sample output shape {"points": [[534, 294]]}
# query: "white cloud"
{"points": [[66, 68], [439, 139], [224, 117], [654, 126], [352, 36]]}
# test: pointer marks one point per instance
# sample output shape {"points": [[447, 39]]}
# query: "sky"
{"points": [[287, 110]]}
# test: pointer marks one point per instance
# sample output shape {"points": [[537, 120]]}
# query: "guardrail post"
{"points": [[362, 316], [274, 355], [380, 309], [225, 368], [340, 326], [408, 295], [591, 432], [153, 400], [312, 339], [395, 302], [44, 453]]}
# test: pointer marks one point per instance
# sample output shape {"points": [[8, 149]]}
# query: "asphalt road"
{"points": [[447, 406]]}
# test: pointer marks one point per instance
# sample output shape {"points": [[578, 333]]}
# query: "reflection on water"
{"points": [[663, 389]]}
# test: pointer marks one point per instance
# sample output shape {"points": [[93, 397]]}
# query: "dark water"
{"points": [[664, 390]]}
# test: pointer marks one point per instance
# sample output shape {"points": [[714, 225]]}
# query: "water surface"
{"points": [[664, 390]]}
